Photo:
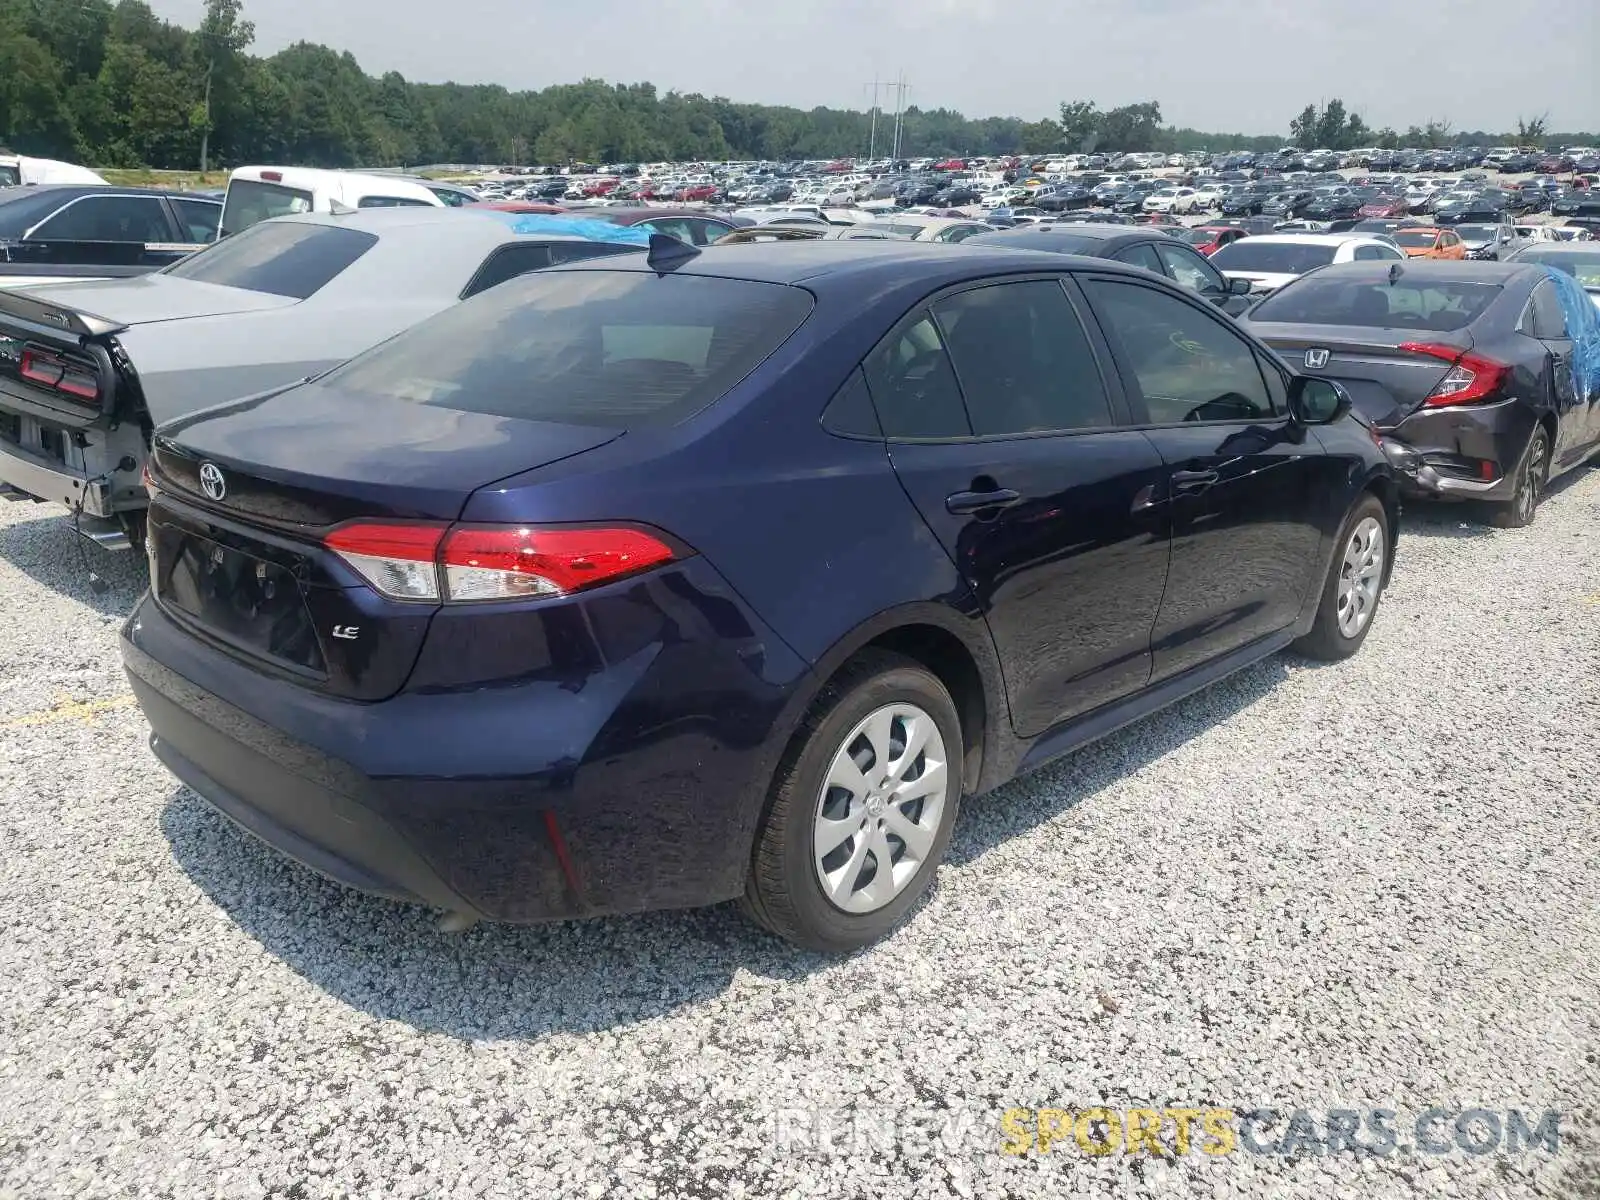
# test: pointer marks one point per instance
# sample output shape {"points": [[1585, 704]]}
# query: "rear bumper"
{"points": [[638, 787], [47, 479], [1466, 453]]}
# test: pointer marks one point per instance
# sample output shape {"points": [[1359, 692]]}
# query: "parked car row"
{"points": [[479, 617]]}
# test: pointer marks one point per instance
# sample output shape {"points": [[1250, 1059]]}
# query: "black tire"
{"points": [[1326, 640], [1533, 472], [783, 892]]}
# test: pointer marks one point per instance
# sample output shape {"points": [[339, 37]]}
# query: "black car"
{"points": [[1287, 203], [1062, 197], [1148, 248], [1333, 206], [1529, 198], [733, 574], [64, 231], [1464, 368], [1485, 208]]}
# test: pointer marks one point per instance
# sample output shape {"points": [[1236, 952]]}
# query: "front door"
{"points": [[1006, 429], [1246, 484]]}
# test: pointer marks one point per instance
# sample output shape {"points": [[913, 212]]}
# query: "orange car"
{"points": [[1429, 242]]}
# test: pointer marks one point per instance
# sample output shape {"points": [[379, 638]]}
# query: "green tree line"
{"points": [[114, 85]]}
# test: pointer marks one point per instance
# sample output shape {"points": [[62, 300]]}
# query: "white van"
{"points": [[257, 193], [18, 170]]}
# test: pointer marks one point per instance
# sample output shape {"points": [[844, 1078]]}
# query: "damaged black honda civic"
{"points": [[1482, 378]]}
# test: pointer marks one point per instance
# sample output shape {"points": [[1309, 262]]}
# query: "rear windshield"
{"points": [[249, 202], [1439, 306], [1276, 258], [1060, 243], [286, 258], [615, 349], [1584, 267]]}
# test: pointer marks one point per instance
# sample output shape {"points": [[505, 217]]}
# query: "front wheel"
{"points": [[1354, 585], [861, 809]]}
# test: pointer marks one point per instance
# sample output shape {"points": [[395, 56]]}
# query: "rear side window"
{"points": [[249, 203], [1439, 306], [289, 259], [507, 262], [1023, 360], [615, 349], [913, 385], [199, 219]]}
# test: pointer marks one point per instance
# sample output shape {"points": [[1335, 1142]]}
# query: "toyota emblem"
{"points": [[1316, 359], [211, 481]]}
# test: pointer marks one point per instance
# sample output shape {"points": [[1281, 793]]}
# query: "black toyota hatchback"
{"points": [[732, 574]]}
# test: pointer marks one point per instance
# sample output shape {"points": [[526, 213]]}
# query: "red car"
{"points": [[1217, 236], [519, 206], [951, 164], [601, 187], [698, 191], [1385, 206]]}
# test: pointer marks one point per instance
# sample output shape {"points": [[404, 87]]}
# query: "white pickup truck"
{"points": [[260, 193], [19, 170]]}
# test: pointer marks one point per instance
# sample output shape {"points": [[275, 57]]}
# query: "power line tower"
{"points": [[872, 137], [899, 87]]}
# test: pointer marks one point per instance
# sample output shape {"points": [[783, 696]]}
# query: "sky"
{"points": [[1239, 66]]}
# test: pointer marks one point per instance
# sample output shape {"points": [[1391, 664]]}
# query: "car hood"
{"points": [[148, 299]]}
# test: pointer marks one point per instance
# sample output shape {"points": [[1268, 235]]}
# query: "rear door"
{"points": [[1247, 488], [1008, 431]]}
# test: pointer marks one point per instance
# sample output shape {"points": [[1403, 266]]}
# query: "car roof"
{"points": [[1431, 270], [1087, 230], [1313, 239], [71, 191], [858, 262], [1543, 248], [469, 222]]}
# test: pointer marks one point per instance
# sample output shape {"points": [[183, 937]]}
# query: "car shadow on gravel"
{"points": [[1019, 806], [1465, 519], [492, 982], [527, 982], [50, 553]]}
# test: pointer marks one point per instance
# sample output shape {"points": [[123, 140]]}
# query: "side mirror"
{"points": [[1315, 401], [1238, 287]]}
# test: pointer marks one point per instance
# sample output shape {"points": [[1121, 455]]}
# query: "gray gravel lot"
{"points": [[1318, 887]]}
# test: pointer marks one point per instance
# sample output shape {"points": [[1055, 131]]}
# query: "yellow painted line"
{"points": [[69, 710]]}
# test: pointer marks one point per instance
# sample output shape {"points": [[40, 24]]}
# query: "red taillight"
{"points": [[59, 374], [481, 562], [1471, 377]]}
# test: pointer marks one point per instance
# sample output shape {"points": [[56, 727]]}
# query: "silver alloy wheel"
{"points": [[879, 809], [1360, 576], [1531, 481]]}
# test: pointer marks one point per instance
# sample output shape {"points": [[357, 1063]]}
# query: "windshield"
{"points": [[1416, 237], [1278, 258], [1585, 267], [249, 203], [1335, 299], [1477, 233], [291, 258], [617, 349]]}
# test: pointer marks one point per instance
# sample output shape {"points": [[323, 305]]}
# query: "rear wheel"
{"points": [[1533, 472], [1354, 585], [861, 809]]}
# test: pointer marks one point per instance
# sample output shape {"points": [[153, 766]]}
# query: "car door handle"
{"points": [[971, 502], [1193, 482]]}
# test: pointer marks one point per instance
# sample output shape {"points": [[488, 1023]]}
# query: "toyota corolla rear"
{"points": [[397, 630]]}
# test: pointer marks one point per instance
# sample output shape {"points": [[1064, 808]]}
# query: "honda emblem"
{"points": [[1316, 359]]}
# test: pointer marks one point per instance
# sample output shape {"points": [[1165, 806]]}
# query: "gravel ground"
{"points": [[1366, 885]]}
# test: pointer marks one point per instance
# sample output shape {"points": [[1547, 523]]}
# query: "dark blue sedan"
{"points": [[665, 581]]}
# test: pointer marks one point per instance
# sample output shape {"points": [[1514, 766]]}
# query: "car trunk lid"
{"points": [[246, 493], [1386, 382]]}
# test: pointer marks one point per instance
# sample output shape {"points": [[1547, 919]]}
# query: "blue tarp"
{"points": [[1583, 323], [551, 225]]}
